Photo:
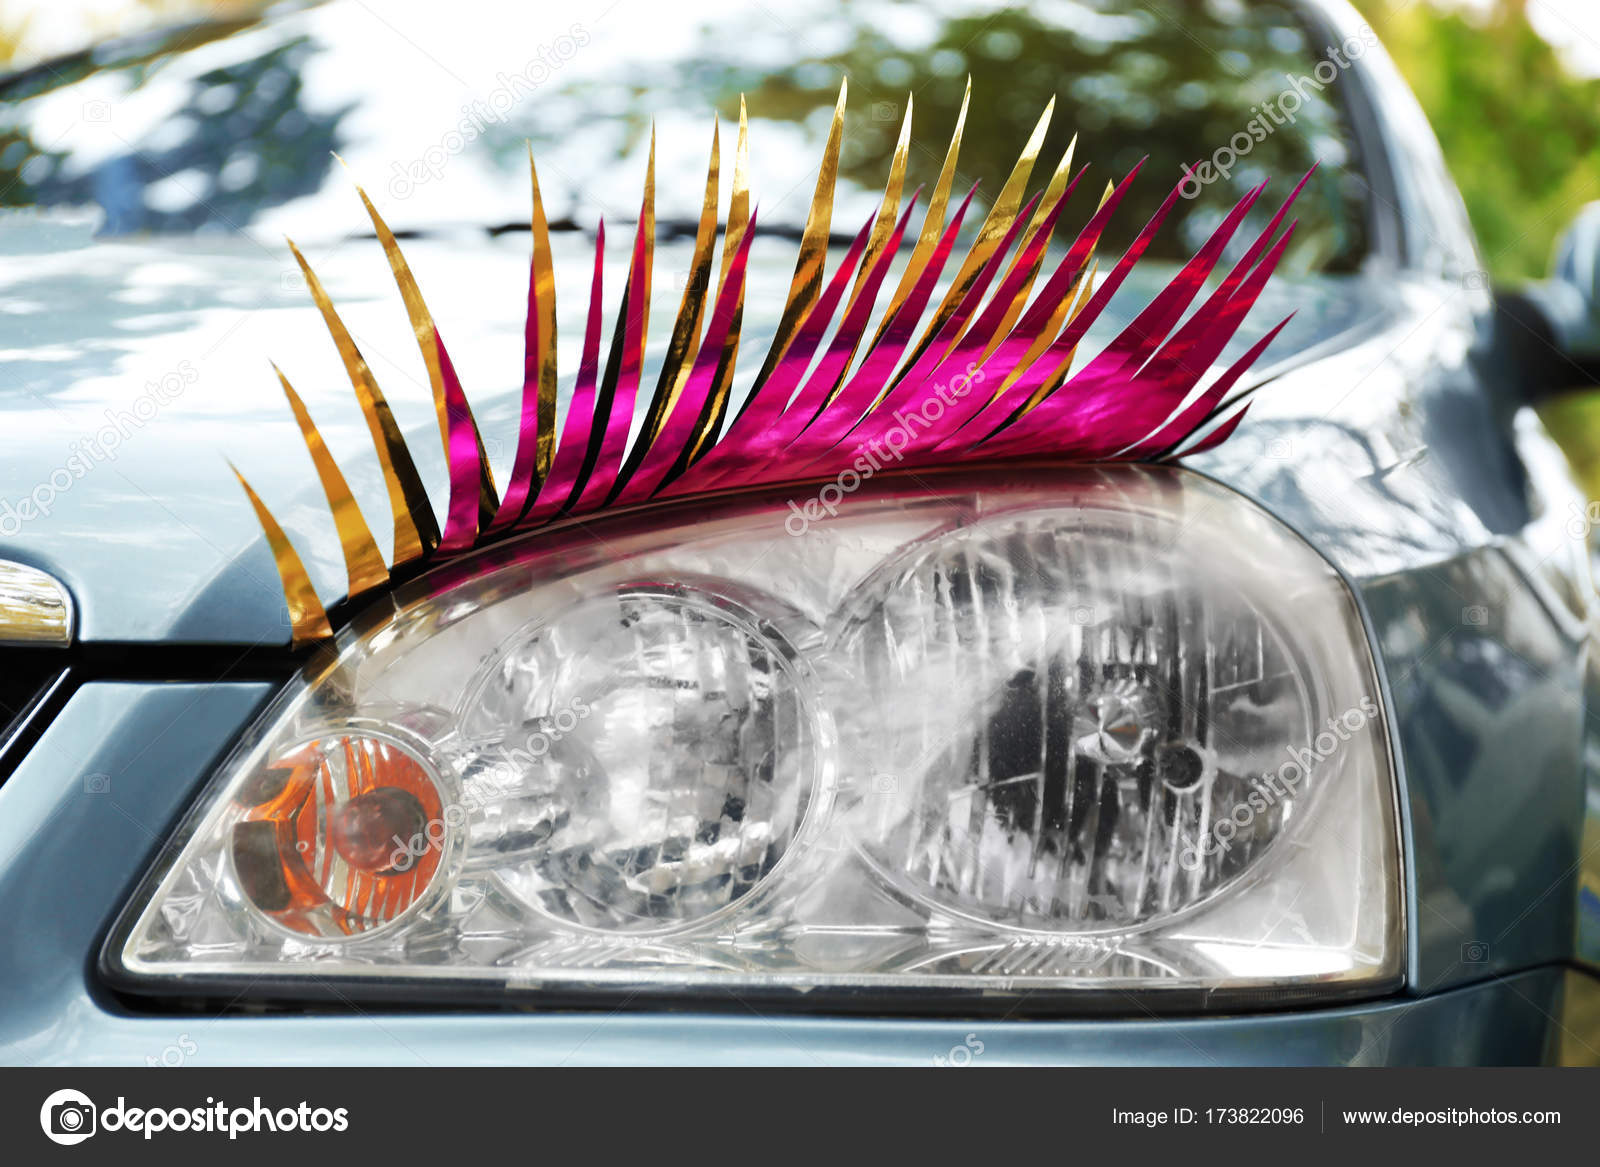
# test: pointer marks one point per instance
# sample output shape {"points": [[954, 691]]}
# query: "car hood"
{"points": [[138, 369], [137, 364]]}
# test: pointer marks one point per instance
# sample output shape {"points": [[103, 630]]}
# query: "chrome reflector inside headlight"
{"points": [[1076, 730], [644, 759], [1085, 712]]}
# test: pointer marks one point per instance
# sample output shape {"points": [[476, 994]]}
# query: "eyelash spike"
{"points": [[807, 416]]}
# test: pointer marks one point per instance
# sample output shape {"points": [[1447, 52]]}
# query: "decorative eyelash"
{"points": [[985, 379]]}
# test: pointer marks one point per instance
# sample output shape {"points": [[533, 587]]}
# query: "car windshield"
{"points": [[231, 126]]}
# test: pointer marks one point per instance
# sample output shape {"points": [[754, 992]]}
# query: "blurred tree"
{"points": [[1170, 81], [19, 46], [1521, 134], [13, 31]]}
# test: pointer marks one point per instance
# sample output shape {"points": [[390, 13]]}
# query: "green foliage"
{"points": [[1522, 137], [1171, 81], [1521, 134]]}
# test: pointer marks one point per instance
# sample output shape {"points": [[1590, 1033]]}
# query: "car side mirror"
{"points": [[1552, 327], [1572, 293]]}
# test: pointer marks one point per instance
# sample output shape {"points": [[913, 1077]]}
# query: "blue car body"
{"points": [[1395, 438]]}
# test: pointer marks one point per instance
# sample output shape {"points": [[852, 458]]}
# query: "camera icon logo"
{"points": [[1474, 952], [68, 1117]]}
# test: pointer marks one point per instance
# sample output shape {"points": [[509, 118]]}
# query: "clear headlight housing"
{"points": [[1082, 731]]}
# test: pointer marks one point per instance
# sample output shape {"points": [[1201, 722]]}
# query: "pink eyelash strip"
{"points": [[987, 378]]}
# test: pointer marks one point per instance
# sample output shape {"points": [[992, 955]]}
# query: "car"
{"points": [[1266, 750]]}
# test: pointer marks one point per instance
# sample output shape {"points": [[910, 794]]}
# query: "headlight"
{"points": [[1080, 720], [1066, 730]]}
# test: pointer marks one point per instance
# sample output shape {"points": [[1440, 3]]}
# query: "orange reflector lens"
{"points": [[342, 837]]}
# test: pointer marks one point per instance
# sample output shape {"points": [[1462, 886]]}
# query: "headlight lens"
{"points": [[1113, 729], [1083, 710], [643, 760], [310, 842]]}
